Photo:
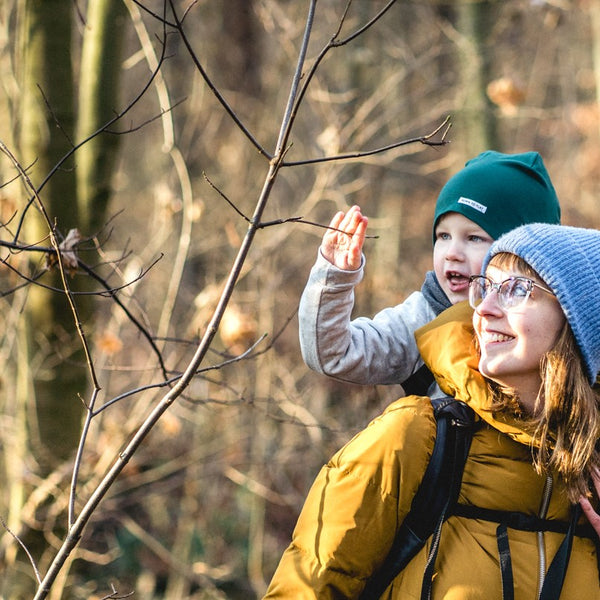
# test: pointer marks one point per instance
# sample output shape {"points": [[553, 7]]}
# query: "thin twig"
{"points": [[79, 454], [109, 292], [213, 88], [114, 595], [55, 245], [333, 43], [265, 224], [91, 136], [174, 379], [24, 547], [366, 26], [424, 139]]}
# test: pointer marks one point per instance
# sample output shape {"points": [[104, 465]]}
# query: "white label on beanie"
{"points": [[479, 207]]}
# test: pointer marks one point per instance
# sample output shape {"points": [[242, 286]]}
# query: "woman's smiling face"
{"points": [[512, 342]]}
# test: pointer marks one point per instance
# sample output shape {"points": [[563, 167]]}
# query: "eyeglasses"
{"points": [[512, 292]]}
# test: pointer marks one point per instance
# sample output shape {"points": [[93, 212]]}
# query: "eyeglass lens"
{"points": [[511, 292]]}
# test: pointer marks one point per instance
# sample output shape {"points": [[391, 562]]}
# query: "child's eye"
{"points": [[481, 239], [441, 235]]}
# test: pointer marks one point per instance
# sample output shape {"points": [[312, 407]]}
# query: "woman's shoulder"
{"points": [[404, 422], [394, 445]]}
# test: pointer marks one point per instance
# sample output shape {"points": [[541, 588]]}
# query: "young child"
{"points": [[491, 195]]}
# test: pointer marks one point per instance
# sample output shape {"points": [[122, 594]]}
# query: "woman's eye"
{"points": [[519, 289]]}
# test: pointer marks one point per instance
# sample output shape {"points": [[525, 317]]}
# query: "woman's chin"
{"points": [[489, 372]]}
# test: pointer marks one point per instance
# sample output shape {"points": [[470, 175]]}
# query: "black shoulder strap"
{"points": [[437, 492], [555, 577], [419, 382]]}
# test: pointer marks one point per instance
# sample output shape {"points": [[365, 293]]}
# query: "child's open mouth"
{"points": [[457, 281]]}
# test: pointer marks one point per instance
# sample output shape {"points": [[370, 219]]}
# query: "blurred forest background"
{"points": [[159, 203]]}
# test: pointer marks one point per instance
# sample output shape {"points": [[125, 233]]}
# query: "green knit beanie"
{"points": [[500, 192]]}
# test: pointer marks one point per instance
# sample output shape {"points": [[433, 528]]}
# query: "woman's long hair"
{"points": [[566, 422]]}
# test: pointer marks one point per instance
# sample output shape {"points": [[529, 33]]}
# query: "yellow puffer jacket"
{"points": [[362, 495]]}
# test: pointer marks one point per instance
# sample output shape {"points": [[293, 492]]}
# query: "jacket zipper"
{"points": [[540, 534]]}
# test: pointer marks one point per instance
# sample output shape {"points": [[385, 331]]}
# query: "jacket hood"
{"points": [[447, 347]]}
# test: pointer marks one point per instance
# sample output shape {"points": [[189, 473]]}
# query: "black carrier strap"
{"points": [[419, 382], [437, 492], [506, 573], [522, 521], [555, 576]]}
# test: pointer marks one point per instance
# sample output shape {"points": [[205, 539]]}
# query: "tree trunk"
{"points": [[476, 128], [45, 136], [98, 96]]}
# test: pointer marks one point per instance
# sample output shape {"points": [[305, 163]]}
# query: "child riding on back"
{"points": [[491, 195]]}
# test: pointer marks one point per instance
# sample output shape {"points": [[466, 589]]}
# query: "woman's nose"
{"points": [[490, 304]]}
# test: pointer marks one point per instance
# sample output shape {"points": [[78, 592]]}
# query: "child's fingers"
{"points": [[343, 241], [596, 480], [356, 244], [350, 221], [358, 238], [337, 220], [361, 227]]}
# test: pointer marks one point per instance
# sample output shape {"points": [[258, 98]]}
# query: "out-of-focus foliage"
{"points": [[207, 505]]}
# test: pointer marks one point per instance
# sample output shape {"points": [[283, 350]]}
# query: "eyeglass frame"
{"points": [[498, 286]]}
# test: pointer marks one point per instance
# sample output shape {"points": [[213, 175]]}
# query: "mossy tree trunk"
{"points": [[45, 136], [74, 196], [98, 97], [476, 128]]}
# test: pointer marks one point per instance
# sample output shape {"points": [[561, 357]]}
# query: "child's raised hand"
{"points": [[342, 244]]}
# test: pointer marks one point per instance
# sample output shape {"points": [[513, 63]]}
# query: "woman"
{"points": [[530, 380]]}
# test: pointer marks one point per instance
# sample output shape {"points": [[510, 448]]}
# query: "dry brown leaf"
{"points": [[109, 343], [506, 94]]}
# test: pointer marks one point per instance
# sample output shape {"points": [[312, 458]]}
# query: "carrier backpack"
{"points": [[437, 492], [436, 500]]}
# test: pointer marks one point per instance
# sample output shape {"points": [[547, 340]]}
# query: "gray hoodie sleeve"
{"points": [[374, 351]]}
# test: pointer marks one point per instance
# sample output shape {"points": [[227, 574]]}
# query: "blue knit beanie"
{"points": [[500, 192], [568, 261]]}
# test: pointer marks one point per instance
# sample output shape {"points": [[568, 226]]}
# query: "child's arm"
{"points": [[381, 350]]}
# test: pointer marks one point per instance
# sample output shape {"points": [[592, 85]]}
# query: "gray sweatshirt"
{"points": [[381, 350]]}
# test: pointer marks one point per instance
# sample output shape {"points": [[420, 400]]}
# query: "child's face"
{"points": [[459, 250]]}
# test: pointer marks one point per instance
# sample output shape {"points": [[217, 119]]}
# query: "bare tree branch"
{"points": [[178, 24], [426, 140], [25, 549]]}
